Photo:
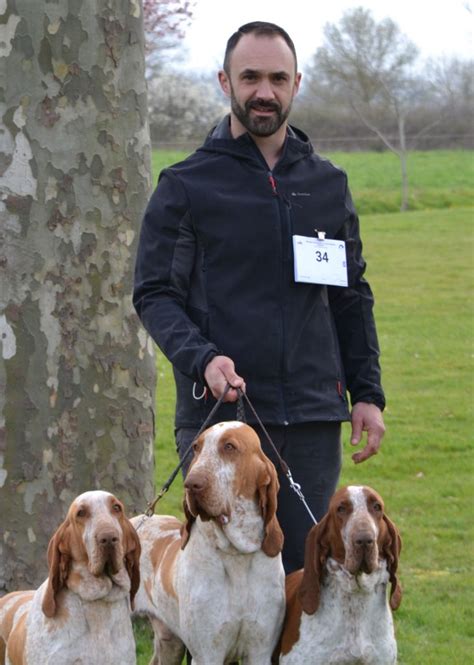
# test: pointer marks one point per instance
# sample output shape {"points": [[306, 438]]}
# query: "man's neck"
{"points": [[270, 146]]}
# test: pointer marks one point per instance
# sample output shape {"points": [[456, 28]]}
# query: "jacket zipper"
{"points": [[275, 191], [273, 185]]}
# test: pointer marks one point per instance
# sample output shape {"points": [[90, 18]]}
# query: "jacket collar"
{"points": [[297, 144]]}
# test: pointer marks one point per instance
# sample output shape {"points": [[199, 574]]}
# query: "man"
{"points": [[218, 283]]}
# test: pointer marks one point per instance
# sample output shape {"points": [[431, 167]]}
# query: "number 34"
{"points": [[320, 256]]}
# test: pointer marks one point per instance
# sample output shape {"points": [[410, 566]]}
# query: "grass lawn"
{"points": [[420, 267], [421, 271], [437, 179]]}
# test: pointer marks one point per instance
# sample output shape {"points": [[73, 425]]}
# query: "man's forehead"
{"points": [[262, 53]]}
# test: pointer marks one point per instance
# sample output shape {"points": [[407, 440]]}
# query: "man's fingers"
{"points": [[357, 426], [232, 394], [364, 454], [233, 379], [368, 418], [220, 372], [374, 439]]}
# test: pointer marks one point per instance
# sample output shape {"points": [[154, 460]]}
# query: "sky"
{"points": [[437, 27]]}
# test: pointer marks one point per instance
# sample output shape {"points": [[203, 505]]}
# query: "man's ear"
{"points": [[224, 82], [297, 84]]}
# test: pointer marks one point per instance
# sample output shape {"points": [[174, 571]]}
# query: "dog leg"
{"points": [[169, 650]]}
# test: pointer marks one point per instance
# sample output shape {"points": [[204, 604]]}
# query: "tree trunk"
{"points": [[77, 371], [403, 162]]}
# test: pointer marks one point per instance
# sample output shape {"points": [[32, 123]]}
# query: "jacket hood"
{"points": [[220, 140]]}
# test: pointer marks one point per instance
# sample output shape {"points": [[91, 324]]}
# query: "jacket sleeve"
{"points": [[352, 309], [163, 271]]}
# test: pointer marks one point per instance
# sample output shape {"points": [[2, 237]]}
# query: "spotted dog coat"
{"points": [[338, 612], [81, 614], [216, 582]]}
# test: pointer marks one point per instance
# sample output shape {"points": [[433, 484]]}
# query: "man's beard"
{"points": [[259, 125]]}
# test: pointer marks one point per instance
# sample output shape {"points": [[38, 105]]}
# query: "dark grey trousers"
{"points": [[313, 454]]}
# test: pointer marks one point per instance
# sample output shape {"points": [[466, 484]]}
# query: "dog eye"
{"points": [[377, 507], [117, 508], [195, 447], [341, 509], [229, 446], [81, 512]]}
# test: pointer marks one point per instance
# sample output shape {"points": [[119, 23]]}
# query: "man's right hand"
{"points": [[218, 373]]}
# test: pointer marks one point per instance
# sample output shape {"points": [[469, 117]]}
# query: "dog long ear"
{"points": [[186, 527], [315, 556], [132, 551], [391, 547], [59, 559], [267, 488]]}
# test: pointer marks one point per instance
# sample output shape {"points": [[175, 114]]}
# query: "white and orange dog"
{"points": [[81, 614], [338, 609], [216, 582]]}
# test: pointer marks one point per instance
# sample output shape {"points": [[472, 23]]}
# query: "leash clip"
{"points": [[296, 487]]}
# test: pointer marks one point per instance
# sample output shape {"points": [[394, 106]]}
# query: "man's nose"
{"points": [[265, 90]]}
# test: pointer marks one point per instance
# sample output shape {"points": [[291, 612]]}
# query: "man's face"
{"points": [[262, 83]]}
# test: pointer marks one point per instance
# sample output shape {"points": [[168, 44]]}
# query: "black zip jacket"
{"points": [[215, 275]]}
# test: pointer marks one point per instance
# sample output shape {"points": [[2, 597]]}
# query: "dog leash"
{"points": [[296, 487], [151, 505]]}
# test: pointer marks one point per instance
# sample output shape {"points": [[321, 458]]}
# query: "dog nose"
{"points": [[195, 485], [364, 540], [197, 480], [108, 539]]}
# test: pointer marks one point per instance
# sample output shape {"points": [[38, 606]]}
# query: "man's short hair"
{"points": [[261, 29]]}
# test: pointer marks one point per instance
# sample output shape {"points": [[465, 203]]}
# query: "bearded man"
{"points": [[250, 272]]}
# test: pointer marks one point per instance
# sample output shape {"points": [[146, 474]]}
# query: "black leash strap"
{"points": [[151, 505], [240, 416]]}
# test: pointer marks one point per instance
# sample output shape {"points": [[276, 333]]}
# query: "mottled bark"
{"points": [[76, 369]]}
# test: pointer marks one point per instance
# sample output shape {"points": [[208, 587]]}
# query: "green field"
{"points": [[421, 271]]}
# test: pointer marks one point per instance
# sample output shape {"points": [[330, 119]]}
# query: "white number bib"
{"points": [[320, 261]]}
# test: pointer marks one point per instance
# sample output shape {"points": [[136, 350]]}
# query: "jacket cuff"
{"points": [[212, 353], [377, 400]]}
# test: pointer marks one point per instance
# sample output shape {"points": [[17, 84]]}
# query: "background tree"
{"points": [[440, 117], [165, 22], [451, 88], [368, 67], [77, 371], [183, 107]]}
